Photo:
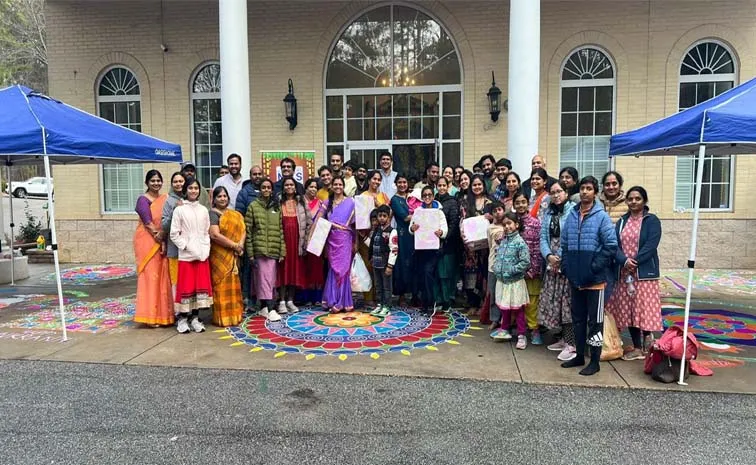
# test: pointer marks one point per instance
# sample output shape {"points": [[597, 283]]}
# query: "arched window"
{"points": [[707, 70], [393, 83], [206, 123], [119, 101], [587, 111]]}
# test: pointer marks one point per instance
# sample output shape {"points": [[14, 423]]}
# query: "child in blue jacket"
{"points": [[511, 262]]}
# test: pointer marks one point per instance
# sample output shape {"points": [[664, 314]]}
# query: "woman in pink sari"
{"points": [[340, 248]]}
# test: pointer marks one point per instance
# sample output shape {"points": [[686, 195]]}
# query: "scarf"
{"points": [[555, 229]]}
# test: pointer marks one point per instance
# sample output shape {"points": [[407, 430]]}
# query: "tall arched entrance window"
{"points": [[207, 134], [119, 101], [587, 111], [707, 70], [394, 83]]}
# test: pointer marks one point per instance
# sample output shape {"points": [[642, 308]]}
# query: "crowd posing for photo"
{"points": [[534, 255]]}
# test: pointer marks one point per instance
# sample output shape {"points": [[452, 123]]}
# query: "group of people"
{"points": [[556, 254]]}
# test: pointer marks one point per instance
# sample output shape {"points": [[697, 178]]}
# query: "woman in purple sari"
{"points": [[340, 248]]}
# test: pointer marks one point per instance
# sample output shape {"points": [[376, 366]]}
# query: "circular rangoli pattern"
{"points": [[713, 324], [313, 332], [88, 275]]}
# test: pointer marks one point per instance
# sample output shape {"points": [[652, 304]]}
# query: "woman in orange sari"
{"points": [[227, 235], [154, 305]]}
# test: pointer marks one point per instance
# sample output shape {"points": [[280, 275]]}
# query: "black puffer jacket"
{"points": [[450, 206]]}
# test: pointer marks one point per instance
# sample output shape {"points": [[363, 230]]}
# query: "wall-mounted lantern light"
{"points": [[290, 104], [494, 99]]}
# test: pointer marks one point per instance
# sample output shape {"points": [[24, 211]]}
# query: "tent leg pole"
{"points": [[692, 256], [54, 240], [13, 234]]}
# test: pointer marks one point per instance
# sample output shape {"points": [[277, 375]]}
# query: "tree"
{"points": [[23, 46]]}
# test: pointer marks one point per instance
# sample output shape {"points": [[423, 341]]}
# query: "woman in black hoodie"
{"points": [[448, 264]]}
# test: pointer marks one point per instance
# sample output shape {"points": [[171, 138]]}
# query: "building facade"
{"points": [[409, 77]]}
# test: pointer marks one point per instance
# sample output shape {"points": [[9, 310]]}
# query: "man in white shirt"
{"points": [[233, 180], [388, 185]]}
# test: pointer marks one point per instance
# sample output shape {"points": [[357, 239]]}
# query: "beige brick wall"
{"points": [[291, 39]]}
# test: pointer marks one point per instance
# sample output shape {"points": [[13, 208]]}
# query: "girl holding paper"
{"points": [[340, 248], [427, 259], [295, 221]]}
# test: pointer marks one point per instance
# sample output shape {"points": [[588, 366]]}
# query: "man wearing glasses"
{"points": [[287, 169]]}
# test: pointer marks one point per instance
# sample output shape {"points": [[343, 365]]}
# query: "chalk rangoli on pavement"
{"points": [[89, 317], [714, 325], [90, 275], [313, 332], [738, 282]]}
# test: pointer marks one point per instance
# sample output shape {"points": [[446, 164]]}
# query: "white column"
{"points": [[524, 82], [234, 65]]}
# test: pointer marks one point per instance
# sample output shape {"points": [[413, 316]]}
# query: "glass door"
{"points": [[367, 153], [411, 159]]}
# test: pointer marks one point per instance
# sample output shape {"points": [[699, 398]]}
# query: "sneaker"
{"points": [[567, 353], [273, 316], [535, 338], [385, 310], [282, 308], [501, 335], [292, 308], [376, 311], [183, 325], [522, 342], [433, 310], [197, 325], [264, 312], [558, 346], [635, 354]]}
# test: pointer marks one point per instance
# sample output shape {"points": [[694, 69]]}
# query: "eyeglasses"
{"points": [[427, 195]]}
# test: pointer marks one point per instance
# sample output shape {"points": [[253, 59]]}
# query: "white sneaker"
{"points": [[282, 308], [183, 325], [522, 342], [292, 308], [568, 353], [273, 316], [197, 325], [557, 346], [264, 312]]}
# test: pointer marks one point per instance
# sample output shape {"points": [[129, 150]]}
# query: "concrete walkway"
{"points": [[27, 333]]}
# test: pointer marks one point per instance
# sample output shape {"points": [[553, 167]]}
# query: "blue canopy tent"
{"points": [[723, 125], [35, 127]]}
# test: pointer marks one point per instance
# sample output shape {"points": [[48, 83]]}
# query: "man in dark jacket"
{"points": [[536, 162], [589, 244], [250, 190]]}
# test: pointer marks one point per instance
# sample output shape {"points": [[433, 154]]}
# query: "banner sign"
{"points": [[305, 161]]}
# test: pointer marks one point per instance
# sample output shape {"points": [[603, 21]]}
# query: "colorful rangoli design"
{"points": [[731, 282], [90, 275], [313, 332], [714, 325], [88, 317]]}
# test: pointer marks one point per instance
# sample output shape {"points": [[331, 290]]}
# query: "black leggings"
{"points": [[635, 334]]}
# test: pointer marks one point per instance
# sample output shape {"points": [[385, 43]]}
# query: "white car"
{"points": [[36, 186]]}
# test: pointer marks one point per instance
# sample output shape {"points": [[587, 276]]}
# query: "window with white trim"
{"points": [[207, 134], [119, 101], [587, 112], [707, 70]]}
